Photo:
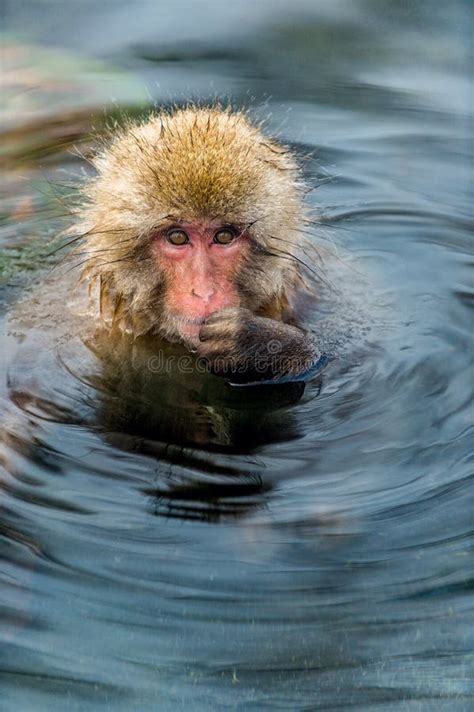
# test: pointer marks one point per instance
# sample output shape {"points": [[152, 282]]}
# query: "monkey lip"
{"points": [[188, 327], [189, 321]]}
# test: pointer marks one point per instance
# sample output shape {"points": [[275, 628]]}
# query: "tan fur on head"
{"points": [[192, 163]]}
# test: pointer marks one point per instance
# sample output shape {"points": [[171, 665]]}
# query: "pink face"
{"points": [[199, 261]]}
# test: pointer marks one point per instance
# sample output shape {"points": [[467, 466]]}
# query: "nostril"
{"points": [[204, 294]]}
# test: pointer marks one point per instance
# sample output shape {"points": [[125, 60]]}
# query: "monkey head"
{"points": [[191, 212]]}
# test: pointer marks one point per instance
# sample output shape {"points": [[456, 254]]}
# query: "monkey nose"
{"points": [[205, 294]]}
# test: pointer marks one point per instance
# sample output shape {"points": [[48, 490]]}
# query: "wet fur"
{"points": [[259, 347]]}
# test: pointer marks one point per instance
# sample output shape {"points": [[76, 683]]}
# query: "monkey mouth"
{"points": [[188, 321], [187, 328]]}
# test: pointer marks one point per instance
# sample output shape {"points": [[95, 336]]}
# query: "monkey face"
{"points": [[190, 213], [199, 261]]}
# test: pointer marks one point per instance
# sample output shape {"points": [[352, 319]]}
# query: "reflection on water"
{"points": [[139, 398], [171, 542]]}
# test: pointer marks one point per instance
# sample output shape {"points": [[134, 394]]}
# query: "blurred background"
{"points": [[364, 55]]}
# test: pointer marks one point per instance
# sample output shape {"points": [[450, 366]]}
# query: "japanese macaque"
{"points": [[192, 232]]}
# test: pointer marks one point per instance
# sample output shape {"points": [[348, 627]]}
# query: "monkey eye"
{"points": [[224, 236], [177, 237]]}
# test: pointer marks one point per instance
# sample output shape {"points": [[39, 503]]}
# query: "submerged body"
{"points": [[192, 231]]}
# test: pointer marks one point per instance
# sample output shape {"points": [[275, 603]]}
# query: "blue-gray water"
{"points": [[167, 543]]}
